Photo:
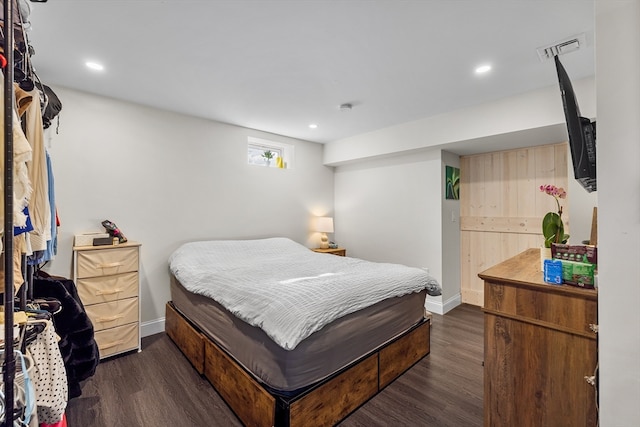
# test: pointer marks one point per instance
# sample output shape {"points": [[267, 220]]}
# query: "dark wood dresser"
{"points": [[539, 345]]}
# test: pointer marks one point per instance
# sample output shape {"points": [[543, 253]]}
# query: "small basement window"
{"points": [[272, 154]]}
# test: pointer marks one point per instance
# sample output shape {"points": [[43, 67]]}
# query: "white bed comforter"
{"points": [[286, 289]]}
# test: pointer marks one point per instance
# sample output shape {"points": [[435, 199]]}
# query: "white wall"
{"points": [[166, 179], [451, 292], [580, 209], [534, 117], [618, 94], [385, 210]]}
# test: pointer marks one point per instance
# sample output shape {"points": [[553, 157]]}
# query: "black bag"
{"points": [[52, 108]]}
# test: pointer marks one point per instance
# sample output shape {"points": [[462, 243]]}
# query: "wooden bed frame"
{"points": [[324, 404]]}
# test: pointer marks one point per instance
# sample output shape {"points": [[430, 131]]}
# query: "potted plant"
{"points": [[268, 156], [552, 225]]}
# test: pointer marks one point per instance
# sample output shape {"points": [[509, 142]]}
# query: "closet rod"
{"points": [[9, 359]]}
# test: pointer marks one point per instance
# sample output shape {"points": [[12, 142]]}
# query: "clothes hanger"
{"points": [[32, 329], [36, 313], [51, 305], [23, 70]]}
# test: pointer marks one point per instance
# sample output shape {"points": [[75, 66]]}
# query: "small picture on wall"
{"points": [[452, 185]]}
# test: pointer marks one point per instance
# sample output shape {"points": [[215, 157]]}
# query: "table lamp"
{"points": [[324, 225]]}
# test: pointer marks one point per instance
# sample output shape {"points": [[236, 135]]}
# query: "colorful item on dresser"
{"points": [[114, 231]]}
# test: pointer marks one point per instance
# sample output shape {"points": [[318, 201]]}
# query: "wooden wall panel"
{"points": [[465, 168], [501, 207], [510, 183]]}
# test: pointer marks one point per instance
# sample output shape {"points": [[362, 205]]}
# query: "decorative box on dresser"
{"points": [[539, 348], [109, 286]]}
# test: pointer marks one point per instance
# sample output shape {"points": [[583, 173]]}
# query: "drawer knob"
{"points": [[590, 380]]}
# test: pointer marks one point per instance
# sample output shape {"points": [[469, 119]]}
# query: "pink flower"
{"points": [[552, 226], [552, 190]]}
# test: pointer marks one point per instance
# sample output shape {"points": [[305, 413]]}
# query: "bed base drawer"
{"points": [[403, 353], [238, 388], [188, 339], [325, 404], [337, 398]]}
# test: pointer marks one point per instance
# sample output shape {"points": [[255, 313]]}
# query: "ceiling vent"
{"points": [[560, 48]]}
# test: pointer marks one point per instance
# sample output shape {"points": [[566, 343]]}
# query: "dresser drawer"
{"points": [[570, 312], [104, 262], [117, 340], [112, 314], [95, 290]]}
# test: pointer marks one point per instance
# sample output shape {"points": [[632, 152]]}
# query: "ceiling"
{"points": [[279, 66]]}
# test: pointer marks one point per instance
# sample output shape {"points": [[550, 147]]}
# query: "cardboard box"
{"points": [[577, 253], [579, 274]]}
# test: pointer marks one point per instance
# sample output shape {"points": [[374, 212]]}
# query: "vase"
{"points": [[545, 253]]}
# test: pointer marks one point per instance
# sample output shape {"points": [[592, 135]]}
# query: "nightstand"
{"points": [[109, 287], [336, 251]]}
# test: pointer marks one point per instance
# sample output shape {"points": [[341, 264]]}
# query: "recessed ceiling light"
{"points": [[483, 69], [94, 66], [313, 126]]}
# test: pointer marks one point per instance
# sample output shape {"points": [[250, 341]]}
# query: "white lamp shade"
{"points": [[324, 224]]}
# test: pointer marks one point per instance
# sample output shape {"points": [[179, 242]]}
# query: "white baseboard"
{"points": [[439, 307], [152, 327]]}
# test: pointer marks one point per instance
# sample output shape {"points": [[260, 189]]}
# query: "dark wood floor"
{"points": [[158, 386]]}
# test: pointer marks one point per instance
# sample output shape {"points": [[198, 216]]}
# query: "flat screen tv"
{"points": [[582, 134]]}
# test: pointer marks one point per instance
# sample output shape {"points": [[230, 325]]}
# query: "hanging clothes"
{"points": [[38, 175], [62, 423], [52, 244], [24, 397], [31, 223], [77, 344], [49, 376], [22, 153], [22, 190]]}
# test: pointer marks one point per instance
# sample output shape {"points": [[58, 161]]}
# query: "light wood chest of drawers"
{"points": [[109, 286]]}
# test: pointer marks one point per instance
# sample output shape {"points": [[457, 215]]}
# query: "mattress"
{"points": [[284, 288], [321, 354]]}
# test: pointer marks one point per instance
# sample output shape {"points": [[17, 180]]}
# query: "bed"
{"points": [[291, 337]]}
